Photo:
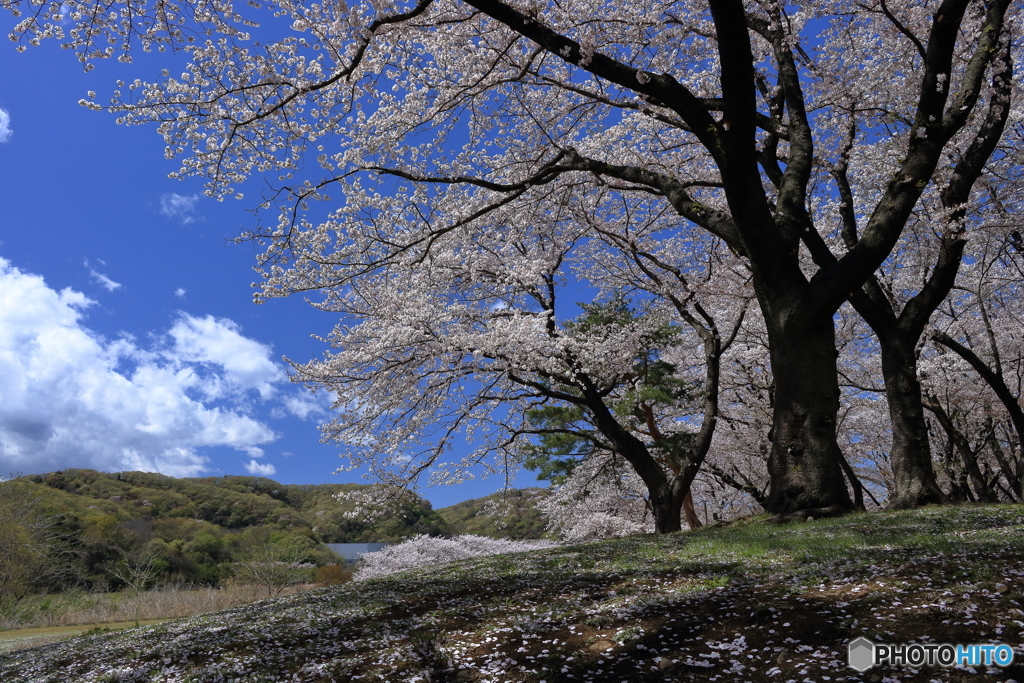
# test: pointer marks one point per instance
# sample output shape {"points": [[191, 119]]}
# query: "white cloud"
{"points": [[180, 292], [260, 469], [179, 207], [244, 363], [306, 405], [5, 126], [101, 279], [68, 399]]}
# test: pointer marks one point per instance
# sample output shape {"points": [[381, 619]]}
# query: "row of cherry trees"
{"points": [[970, 368], [714, 180]]}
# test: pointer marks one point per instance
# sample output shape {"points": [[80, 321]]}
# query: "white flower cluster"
{"points": [[427, 551], [602, 498]]}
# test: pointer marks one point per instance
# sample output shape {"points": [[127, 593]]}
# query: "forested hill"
{"points": [[99, 502], [510, 514], [194, 530]]}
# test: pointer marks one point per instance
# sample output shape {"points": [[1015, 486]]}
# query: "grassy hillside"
{"points": [[196, 528], [751, 601]]}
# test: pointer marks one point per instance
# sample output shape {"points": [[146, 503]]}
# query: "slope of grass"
{"points": [[195, 529], [750, 601]]}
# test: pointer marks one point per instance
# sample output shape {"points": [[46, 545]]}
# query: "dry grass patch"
{"points": [[77, 608]]}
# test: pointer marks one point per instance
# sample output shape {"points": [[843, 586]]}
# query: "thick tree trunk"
{"points": [[914, 475], [914, 481], [806, 477], [667, 505]]}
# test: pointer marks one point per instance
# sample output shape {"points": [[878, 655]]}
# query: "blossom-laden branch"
{"points": [[478, 147]]}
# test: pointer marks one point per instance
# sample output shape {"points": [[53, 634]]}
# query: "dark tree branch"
{"points": [[661, 88], [928, 136], [969, 455], [904, 30]]}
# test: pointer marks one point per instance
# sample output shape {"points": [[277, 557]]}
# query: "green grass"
{"points": [[746, 601]]}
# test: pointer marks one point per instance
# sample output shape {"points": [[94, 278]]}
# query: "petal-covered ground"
{"points": [[751, 601]]}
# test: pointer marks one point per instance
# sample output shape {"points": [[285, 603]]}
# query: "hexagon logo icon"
{"points": [[861, 654]]}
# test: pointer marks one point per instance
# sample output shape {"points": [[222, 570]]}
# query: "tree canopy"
{"points": [[477, 159]]}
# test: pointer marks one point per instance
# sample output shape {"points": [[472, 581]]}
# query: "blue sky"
{"points": [[128, 336]]}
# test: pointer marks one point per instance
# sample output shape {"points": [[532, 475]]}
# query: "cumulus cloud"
{"points": [[306, 405], [242, 362], [180, 292], [101, 279], [5, 126], [260, 469], [179, 207], [70, 398]]}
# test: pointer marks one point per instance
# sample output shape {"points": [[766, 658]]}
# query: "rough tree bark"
{"points": [[807, 402], [914, 482]]}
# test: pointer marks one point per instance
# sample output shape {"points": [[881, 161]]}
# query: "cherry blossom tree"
{"points": [[899, 300], [435, 120], [468, 342], [601, 498], [978, 335]]}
